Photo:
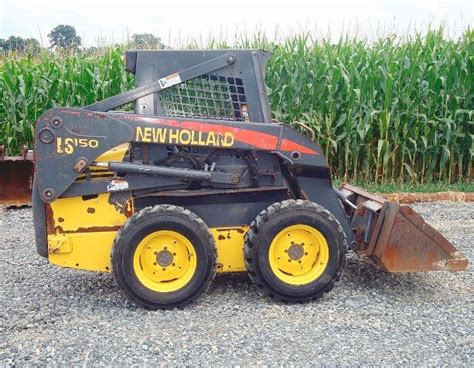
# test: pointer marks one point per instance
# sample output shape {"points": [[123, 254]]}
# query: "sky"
{"points": [[176, 22]]}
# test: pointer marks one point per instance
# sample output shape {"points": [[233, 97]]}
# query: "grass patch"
{"points": [[412, 188]]}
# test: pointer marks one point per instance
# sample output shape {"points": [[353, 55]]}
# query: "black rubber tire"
{"points": [[268, 224], [146, 221]]}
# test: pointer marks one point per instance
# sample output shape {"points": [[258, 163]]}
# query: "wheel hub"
{"points": [[296, 251], [164, 258], [165, 261], [298, 254]]}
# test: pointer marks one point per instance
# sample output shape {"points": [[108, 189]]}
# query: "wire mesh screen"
{"points": [[207, 97]]}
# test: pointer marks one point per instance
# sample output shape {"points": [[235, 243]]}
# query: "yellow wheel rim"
{"points": [[298, 254], [165, 261]]}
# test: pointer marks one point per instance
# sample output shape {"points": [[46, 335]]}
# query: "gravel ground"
{"points": [[51, 315]]}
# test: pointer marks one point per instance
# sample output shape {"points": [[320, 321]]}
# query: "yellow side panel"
{"points": [[86, 251], [230, 248], [84, 231], [96, 214], [91, 250]]}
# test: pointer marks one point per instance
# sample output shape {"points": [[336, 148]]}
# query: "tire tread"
{"points": [[140, 216], [263, 217]]}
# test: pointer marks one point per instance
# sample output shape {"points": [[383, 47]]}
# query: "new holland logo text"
{"points": [[184, 137], [68, 145]]}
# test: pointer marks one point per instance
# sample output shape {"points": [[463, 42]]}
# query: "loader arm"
{"points": [[69, 140]]}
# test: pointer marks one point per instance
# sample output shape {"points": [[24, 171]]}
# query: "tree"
{"points": [[64, 36], [14, 43], [146, 41]]}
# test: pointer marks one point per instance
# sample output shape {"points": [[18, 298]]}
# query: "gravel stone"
{"points": [[56, 316]]}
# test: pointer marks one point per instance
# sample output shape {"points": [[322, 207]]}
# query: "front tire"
{"points": [[164, 257], [295, 251]]}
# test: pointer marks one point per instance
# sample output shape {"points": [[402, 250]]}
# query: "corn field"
{"points": [[395, 110]]}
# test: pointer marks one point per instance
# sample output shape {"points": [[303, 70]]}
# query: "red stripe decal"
{"points": [[287, 145], [259, 140]]}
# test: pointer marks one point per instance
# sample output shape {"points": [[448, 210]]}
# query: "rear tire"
{"points": [[295, 251], [164, 257]]}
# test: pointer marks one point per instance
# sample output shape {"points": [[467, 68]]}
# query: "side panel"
{"points": [[81, 214], [81, 233], [230, 248], [91, 251], [81, 230], [85, 251]]}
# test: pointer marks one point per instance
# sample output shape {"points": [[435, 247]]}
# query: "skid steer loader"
{"points": [[199, 180]]}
